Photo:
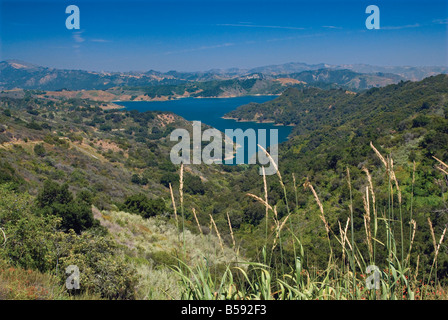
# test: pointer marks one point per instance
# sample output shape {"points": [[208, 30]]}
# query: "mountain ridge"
{"points": [[24, 75]]}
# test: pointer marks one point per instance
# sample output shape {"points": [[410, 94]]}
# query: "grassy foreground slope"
{"points": [[126, 257]]}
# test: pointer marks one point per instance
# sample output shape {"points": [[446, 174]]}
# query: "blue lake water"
{"points": [[210, 111]]}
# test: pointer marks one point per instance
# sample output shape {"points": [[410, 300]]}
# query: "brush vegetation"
{"points": [[361, 183]]}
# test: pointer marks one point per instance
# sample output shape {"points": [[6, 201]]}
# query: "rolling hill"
{"points": [[15, 74]]}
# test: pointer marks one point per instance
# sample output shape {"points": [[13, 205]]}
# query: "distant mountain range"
{"points": [[406, 72], [23, 75], [18, 74]]}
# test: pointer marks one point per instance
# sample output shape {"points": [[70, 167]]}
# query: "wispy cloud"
{"points": [[100, 40], [440, 21], [247, 25], [78, 40], [415, 25], [201, 48], [331, 27], [77, 36], [296, 37]]}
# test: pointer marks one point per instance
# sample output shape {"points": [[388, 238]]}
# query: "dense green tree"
{"points": [[193, 184], [57, 200], [169, 178]]}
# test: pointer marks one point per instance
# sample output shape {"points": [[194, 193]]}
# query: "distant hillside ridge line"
{"points": [[23, 75]]}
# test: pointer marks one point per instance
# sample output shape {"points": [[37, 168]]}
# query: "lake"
{"points": [[210, 111]]}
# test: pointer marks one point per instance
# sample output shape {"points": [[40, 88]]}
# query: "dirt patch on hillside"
{"points": [[106, 146], [166, 119], [94, 95], [287, 81]]}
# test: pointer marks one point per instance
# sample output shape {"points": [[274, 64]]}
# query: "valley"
{"points": [[102, 177]]}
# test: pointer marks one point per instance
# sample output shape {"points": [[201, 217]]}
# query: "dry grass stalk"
{"points": [[414, 227], [441, 169], [217, 232], [349, 180], [294, 182], [181, 184], [437, 247], [307, 184], [413, 172], [434, 242], [181, 192], [389, 173], [345, 240], [231, 230], [276, 217], [283, 223], [394, 178], [274, 164], [343, 237], [174, 204], [279, 226], [197, 221], [440, 243], [441, 162], [372, 192], [369, 179], [416, 268], [366, 201], [389, 165], [265, 185], [346, 228], [379, 155], [4, 236], [259, 199], [342, 241]]}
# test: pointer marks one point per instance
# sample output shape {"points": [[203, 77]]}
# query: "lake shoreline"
{"points": [[258, 121], [162, 99], [212, 112]]}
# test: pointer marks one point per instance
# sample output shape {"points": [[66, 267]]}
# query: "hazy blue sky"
{"points": [[201, 35]]}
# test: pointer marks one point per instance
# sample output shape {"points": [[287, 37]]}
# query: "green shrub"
{"points": [[7, 112], [39, 150], [57, 200], [36, 242], [169, 178], [163, 258], [8, 174], [142, 205], [33, 125], [194, 185], [102, 268]]}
